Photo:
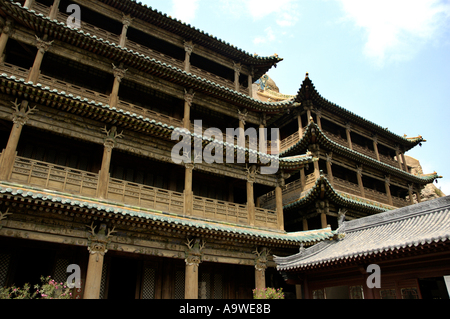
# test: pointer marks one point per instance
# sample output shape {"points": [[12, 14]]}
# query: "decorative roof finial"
{"points": [[307, 75]]}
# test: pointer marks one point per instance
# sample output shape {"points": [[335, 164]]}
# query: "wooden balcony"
{"points": [[67, 180], [89, 95], [141, 49]]}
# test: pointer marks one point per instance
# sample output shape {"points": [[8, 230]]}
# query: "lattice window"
{"points": [[356, 292], [205, 283], [319, 294], [60, 272], [179, 284], [218, 286], [103, 282], [148, 285], [410, 293], [5, 260], [388, 294]]}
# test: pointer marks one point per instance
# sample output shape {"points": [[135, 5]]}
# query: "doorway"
{"points": [[123, 279]]}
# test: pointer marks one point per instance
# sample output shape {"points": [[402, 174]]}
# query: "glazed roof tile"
{"points": [[313, 128], [145, 215], [129, 57], [408, 227]]}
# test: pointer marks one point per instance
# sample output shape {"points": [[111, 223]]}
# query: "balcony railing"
{"points": [[83, 93], [63, 179], [136, 47]]}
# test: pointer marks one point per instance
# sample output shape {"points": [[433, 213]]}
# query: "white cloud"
{"points": [[396, 29], [185, 10], [269, 37]]}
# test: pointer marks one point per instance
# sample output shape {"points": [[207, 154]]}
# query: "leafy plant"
{"points": [[268, 293], [50, 289]]}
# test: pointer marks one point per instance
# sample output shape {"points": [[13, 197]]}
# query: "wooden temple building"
{"points": [[87, 116]]}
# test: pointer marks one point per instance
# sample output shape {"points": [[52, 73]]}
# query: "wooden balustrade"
{"points": [[77, 182], [346, 186], [54, 177]]}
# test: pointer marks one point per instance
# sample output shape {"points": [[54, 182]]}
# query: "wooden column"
{"points": [[36, 69], [397, 154], [237, 73], [329, 170], [387, 185], [349, 137], [119, 73], [109, 143], [188, 193], [193, 260], [303, 178], [316, 168], [28, 4], [360, 181], [250, 201], [375, 147], [323, 219], [189, 48], [410, 192], [405, 165], [319, 119], [188, 99], [279, 206], [260, 268], [4, 37], [242, 121], [300, 125], [418, 192], [20, 118], [250, 82], [54, 10], [126, 21], [305, 225], [98, 247]]}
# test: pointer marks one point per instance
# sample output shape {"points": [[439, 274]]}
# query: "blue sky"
{"points": [[385, 60]]}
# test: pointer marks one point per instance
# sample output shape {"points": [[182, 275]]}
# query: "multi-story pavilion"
{"points": [[87, 114]]}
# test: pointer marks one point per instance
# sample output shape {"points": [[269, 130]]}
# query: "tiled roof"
{"points": [[137, 60], [313, 130], [155, 17], [408, 227], [308, 92], [346, 200], [171, 220]]}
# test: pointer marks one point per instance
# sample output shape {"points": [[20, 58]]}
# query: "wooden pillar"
{"points": [[308, 115], [360, 181], [98, 247], [54, 10], [193, 260], [126, 21], [300, 125], [188, 98], [20, 118], [237, 73], [418, 192], [399, 160], [405, 165], [103, 178], [303, 178], [260, 269], [189, 48], [119, 73], [319, 119], [28, 4], [329, 170], [42, 47], [279, 206], [242, 121], [349, 137], [305, 225], [316, 168], [250, 201], [188, 193], [375, 147], [4, 37], [410, 192], [323, 219], [250, 82], [387, 184]]}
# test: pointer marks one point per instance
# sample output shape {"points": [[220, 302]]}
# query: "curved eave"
{"points": [[137, 215], [61, 32], [324, 188], [308, 92], [314, 132], [186, 31]]}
